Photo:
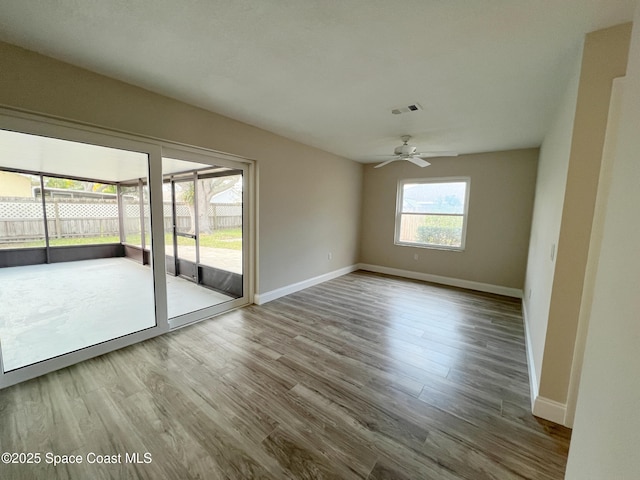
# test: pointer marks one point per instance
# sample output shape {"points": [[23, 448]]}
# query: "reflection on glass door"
{"points": [[204, 235]]}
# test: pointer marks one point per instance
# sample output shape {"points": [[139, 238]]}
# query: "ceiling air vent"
{"points": [[414, 107]]}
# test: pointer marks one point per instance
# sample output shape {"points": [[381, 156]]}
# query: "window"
{"points": [[432, 212]]}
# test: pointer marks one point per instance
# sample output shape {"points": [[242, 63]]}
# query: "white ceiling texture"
{"points": [[487, 73]]}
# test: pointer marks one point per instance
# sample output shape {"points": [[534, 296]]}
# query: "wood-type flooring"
{"points": [[362, 377]]}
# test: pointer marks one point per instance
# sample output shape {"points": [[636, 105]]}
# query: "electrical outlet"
{"points": [[415, 256], [330, 256], [553, 251]]}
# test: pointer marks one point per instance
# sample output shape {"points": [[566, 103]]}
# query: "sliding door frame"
{"points": [[237, 164], [29, 123]]}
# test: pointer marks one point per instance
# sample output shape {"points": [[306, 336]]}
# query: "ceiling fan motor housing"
{"points": [[405, 150]]}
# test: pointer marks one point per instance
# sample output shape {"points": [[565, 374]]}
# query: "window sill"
{"points": [[430, 247]]}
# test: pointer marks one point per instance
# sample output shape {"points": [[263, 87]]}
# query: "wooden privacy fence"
{"points": [[221, 215], [21, 219]]}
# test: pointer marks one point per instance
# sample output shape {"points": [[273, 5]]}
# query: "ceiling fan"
{"points": [[408, 152]]}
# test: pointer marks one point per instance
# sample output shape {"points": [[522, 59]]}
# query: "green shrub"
{"points": [[440, 230]]}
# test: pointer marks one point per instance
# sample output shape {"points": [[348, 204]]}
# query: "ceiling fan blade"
{"points": [[419, 162], [436, 154], [385, 163]]}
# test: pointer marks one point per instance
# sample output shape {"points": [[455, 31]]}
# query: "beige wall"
{"points": [[605, 440], [500, 206], [14, 185], [604, 58], [545, 228], [309, 200]]}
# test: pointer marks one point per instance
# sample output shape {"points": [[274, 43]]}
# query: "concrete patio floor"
{"points": [[49, 310]]}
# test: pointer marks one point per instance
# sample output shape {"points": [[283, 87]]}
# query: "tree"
{"points": [[207, 188], [99, 187], [68, 184], [54, 182]]}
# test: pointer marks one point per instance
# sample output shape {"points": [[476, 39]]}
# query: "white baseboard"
{"points": [[262, 298], [540, 406], [533, 378], [453, 282], [549, 409]]}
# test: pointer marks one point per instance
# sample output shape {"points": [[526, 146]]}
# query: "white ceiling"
{"points": [[487, 72], [37, 154], [61, 157]]}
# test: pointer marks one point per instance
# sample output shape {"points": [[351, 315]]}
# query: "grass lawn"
{"points": [[230, 238]]}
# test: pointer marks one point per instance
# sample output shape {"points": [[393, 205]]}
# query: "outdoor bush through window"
{"points": [[432, 212]]}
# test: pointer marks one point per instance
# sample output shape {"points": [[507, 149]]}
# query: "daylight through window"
{"points": [[432, 212]]}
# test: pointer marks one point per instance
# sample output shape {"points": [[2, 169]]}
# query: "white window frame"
{"points": [[464, 215]]}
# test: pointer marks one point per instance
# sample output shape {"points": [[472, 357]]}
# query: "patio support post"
{"points": [[196, 226], [121, 213], [174, 221], [46, 223]]}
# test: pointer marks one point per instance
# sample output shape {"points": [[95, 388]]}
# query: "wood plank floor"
{"points": [[362, 377]]}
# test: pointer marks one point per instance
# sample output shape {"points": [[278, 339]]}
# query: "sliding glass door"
{"points": [[107, 240], [78, 289], [205, 199]]}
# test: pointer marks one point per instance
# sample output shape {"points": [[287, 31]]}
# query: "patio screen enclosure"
{"points": [[69, 224]]}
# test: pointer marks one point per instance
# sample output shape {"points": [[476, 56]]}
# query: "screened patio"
{"points": [[75, 243]]}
